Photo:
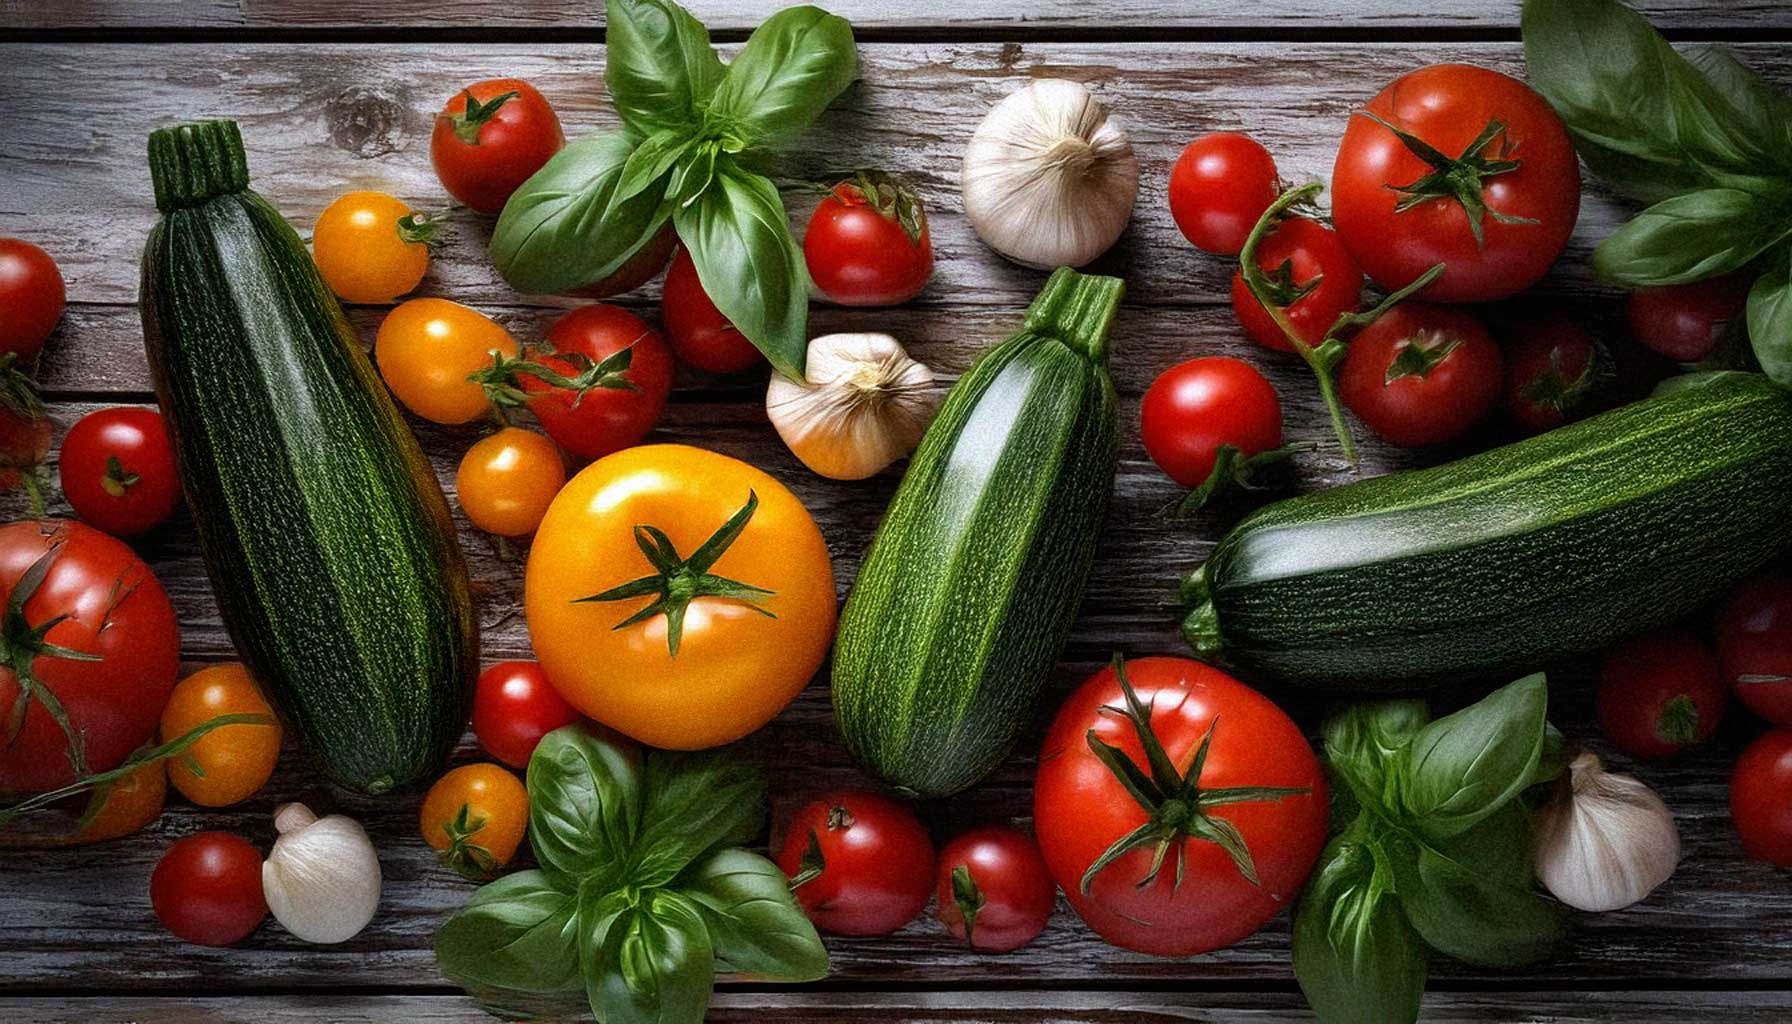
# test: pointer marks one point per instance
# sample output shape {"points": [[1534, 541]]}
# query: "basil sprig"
{"points": [[695, 134], [1700, 137], [1434, 853], [643, 894]]}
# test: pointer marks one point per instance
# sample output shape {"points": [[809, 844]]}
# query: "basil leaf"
{"points": [[1356, 958], [739, 237], [1770, 319], [654, 965], [1766, 110], [696, 802], [1472, 898], [652, 162], [659, 65], [793, 66], [754, 922], [584, 804], [1691, 237], [517, 933], [564, 228], [1463, 767], [1363, 742]]}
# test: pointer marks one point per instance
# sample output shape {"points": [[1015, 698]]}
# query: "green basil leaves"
{"points": [[693, 130], [1434, 854], [643, 895]]}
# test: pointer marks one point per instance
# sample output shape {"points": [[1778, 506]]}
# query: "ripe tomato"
{"points": [[1219, 188], [1421, 374], [609, 595], [1312, 276], [1551, 364], [126, 806], [475, 817], [1761, 798], [31, 298], [1685, 321], [514, 706], [1458, 165], [427, 349], [1195, 408], [700, 335], [637, 270], [506, 481], [859, 863], [625, 395], [370, 247], [1660, 693], [994, 891], [91, 634], [207, 889], [1754, 643], [1173, 893], [867, 243], [489, 138], [118, 471], [234, 761]]}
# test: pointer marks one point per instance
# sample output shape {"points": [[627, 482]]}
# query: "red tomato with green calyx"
{"points": [[1684, 322], [1219, 188], [1177, 808], [700, 335], [859, 863], [994, 891], [118, 472], [607, 379], [32, 295], [1551, 365], [490, 138], [514, 706], [207, 889], [1761, 798], [1754, 644], [1206, 411], [1312, 278], [1421, 374], [1660, 693], [867, 243]]}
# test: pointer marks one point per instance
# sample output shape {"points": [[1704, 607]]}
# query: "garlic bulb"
{"points": [[1049, 179], [322, 878], [865, 406], [1604, 841]]}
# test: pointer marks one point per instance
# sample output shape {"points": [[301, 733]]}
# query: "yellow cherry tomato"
{"points": [[475, 817], [234, 761], [678, 595], [506, 481], [427, 348], [370, 247]]}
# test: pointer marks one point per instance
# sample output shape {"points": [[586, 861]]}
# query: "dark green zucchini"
{"points": [[325, 534], [1550, 547], [977, 571]]}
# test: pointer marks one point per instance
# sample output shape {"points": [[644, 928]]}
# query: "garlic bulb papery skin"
{"points": [[866, 404], [1049, 178], [322, 878], [1603, 841]]}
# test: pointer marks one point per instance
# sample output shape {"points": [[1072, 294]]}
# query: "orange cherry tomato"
{"points": [[370, 247], [426, 348], [506, 481], [234, 761], [674, 648], [130, 804], [475, 817]]}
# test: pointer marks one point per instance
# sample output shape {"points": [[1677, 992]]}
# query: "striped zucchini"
{"points": [[1553, 546], [325, 534], [977, 571]]}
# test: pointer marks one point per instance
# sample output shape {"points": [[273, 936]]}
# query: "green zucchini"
{"points": [[977, 571], [325, 534], [1550, 547]]}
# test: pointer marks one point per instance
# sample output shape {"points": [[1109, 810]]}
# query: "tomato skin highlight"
{"points": [[700, 335], [1448, 106], [32, 296], [1761, 798], [1659, 694], [1754, 644], [1011, 880], [1684, 322], [877, 863], [514, 706], [506, 481], [426, 348], [361, 252], [1195, 407], [143, 491], [860, 256], [1428, 407], [1219, 188], [1314, 253], [506, 150], [207, 889], [602, 420], [237, 760]]}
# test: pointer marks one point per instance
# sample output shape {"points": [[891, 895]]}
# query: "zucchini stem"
{"points": [[1077, 309]]}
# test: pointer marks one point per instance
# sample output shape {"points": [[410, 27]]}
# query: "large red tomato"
{"points": [[92, 653], [1458, 165], [1209, 761]]}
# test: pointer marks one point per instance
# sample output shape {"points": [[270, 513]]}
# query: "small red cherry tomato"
{"points": [[1195, 408], [859, 863], [1685, 321], [1659, 694], [1761, 798], [514, 706], [994, 891], [867, 243], [619, 408], [1219, 188], [1312, 277], [1551, 364], [489, 138], [1754, 644], [31, 298], [118, 470], [700, 335], [207, 889], [1421, 374]]}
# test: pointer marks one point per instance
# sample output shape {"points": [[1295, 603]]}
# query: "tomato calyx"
{"points": [[1283, 290], [21, 644], [1419, 355], [468, 122], [676, 581], [1679, 722], [1233, 470], [813, 862], [890, 196], [1554, 389], [420, 229], [501, 379], [1461, 178], [117, 479], [969, 899], [1176, 805], [465, 857]]}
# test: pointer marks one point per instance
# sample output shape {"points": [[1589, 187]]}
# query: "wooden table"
{"points": [[334, 94]]}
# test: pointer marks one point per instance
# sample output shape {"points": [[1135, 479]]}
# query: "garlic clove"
{"points": [[1603, 841], [322, 878], [865, 405]]}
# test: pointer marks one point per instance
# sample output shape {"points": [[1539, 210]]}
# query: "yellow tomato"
{"points": [[235, 761], [475, 816], [506, 481], [679, 654], [367, 251], [427, 348]]}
